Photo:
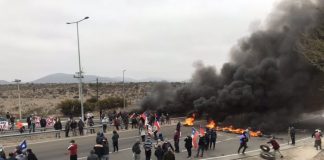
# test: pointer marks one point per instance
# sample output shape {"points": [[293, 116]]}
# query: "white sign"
{"points": [[4, 125]]}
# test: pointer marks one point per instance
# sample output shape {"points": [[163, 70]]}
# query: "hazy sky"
{"points": [[149, 38]]}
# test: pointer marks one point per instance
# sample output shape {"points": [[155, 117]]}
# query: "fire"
{"points": [[189, 121], [211, 124], [231, 129]]}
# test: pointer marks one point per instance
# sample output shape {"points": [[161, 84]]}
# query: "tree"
{"points": [[72, 107], [111, 103]]}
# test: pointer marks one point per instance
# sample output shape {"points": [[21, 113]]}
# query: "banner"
{"points": [[4, 125]]}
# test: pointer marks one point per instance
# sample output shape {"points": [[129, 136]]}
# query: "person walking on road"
{"points": [[159, 153], [243, 143], [92, 156], [318, 142], [58, 128], [148, 148], [188, 145], [213, 137], [31, 155], [201, 146], [292, 135], [275, 146], [115, 138], [136, 149], [73, 150]]}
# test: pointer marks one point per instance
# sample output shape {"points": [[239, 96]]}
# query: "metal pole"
{"points": [[19, 101], [80, 76], [124, 89]]}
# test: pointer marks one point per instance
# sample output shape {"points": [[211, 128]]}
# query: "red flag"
{"points": [[131, 116], [143, 115], [157, 124], [202, 131], [194, 136]]}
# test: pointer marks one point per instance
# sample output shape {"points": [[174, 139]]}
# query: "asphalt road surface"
{"points": [[226, 147]]}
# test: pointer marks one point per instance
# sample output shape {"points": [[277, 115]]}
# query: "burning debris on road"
{"points": [[265, 84], [189, 121]]}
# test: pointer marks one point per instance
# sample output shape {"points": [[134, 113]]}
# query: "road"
{"points": [[227, 145]]}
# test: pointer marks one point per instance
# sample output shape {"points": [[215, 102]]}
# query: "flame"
{"points": [[211, 124], [189, 121], [231, 129]]}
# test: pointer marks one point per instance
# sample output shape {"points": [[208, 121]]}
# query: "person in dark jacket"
{"points": [[74, 126], [176, 139], [67, 128], [114, 139], [81, 126], [207, 139], [292, 135], [28, 120], [148, 148], [58, 127], [105, 146], [166, 145], [136, 149], [201, 145], [31, 155], [213, 137], [11, 156], [43, 123], [99, 138], [159, 153], [188, 145], [275, 145]]}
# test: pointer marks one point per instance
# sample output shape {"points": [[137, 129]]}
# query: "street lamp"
{"points": [[124, 88], [19, 102], [79, 74]]}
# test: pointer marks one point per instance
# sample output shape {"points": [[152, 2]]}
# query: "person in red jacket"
{"points": [[275, 145], [73, 149]]}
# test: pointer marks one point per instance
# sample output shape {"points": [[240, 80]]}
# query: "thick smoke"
{"points": [[266, 82]]}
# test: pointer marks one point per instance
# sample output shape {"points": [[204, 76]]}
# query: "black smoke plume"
{"points": [[265, 84]]}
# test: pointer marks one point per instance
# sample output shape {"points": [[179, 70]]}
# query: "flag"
{"points": [[132, 116], [202, 131], [23, 145], [194, 136], [157, 125], [143, 115]]}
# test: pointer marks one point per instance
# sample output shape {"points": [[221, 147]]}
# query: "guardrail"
{"points": [[19, 136]]}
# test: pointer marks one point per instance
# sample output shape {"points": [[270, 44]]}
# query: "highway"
{"points": [[226, 148]]}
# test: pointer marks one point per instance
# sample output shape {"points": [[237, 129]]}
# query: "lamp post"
{"points": [[19, 102], [124, 88], [79, 74]]}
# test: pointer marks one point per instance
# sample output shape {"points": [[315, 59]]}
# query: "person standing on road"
{"points": [[169, 155], [159, 152], [91, 124], [28, 120], [213, 137], [99, 150], [318, 142], [58, 128], [43, 123], [201, 145], [31, 155], [288, 134], [176, 139], [73, 150], [148, 148], [81, 126], [104, 121], [74, 126], [275, 146], [67, 127], [92, 156], [33, 124], [292, 135], [188, 145], [136, 149], [115, 138], [243, 143], [143, 134]]}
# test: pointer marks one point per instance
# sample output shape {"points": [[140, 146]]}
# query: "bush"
{"points": [[111, 103], [73, 107]]}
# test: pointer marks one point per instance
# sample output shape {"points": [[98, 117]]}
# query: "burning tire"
{"points": [[265, 148], [267, 156]]}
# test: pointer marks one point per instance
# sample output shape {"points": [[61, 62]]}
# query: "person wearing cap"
{"points": [[73, 150], [148, 148], [318, 142], [31, 155], [275, 145], [136, 149], [92, 156]]}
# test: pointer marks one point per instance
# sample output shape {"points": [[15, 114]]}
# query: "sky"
{"points": [[148, 38]]}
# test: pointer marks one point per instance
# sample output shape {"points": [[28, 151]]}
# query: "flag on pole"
{"points": [[157, 125], [143, 115], [194, 136], [23, 145], [202, 131], [131, 116]]}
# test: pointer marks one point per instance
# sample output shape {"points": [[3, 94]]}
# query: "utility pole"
{"points": [[124, 89], [19, 101], [100, 110]]}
